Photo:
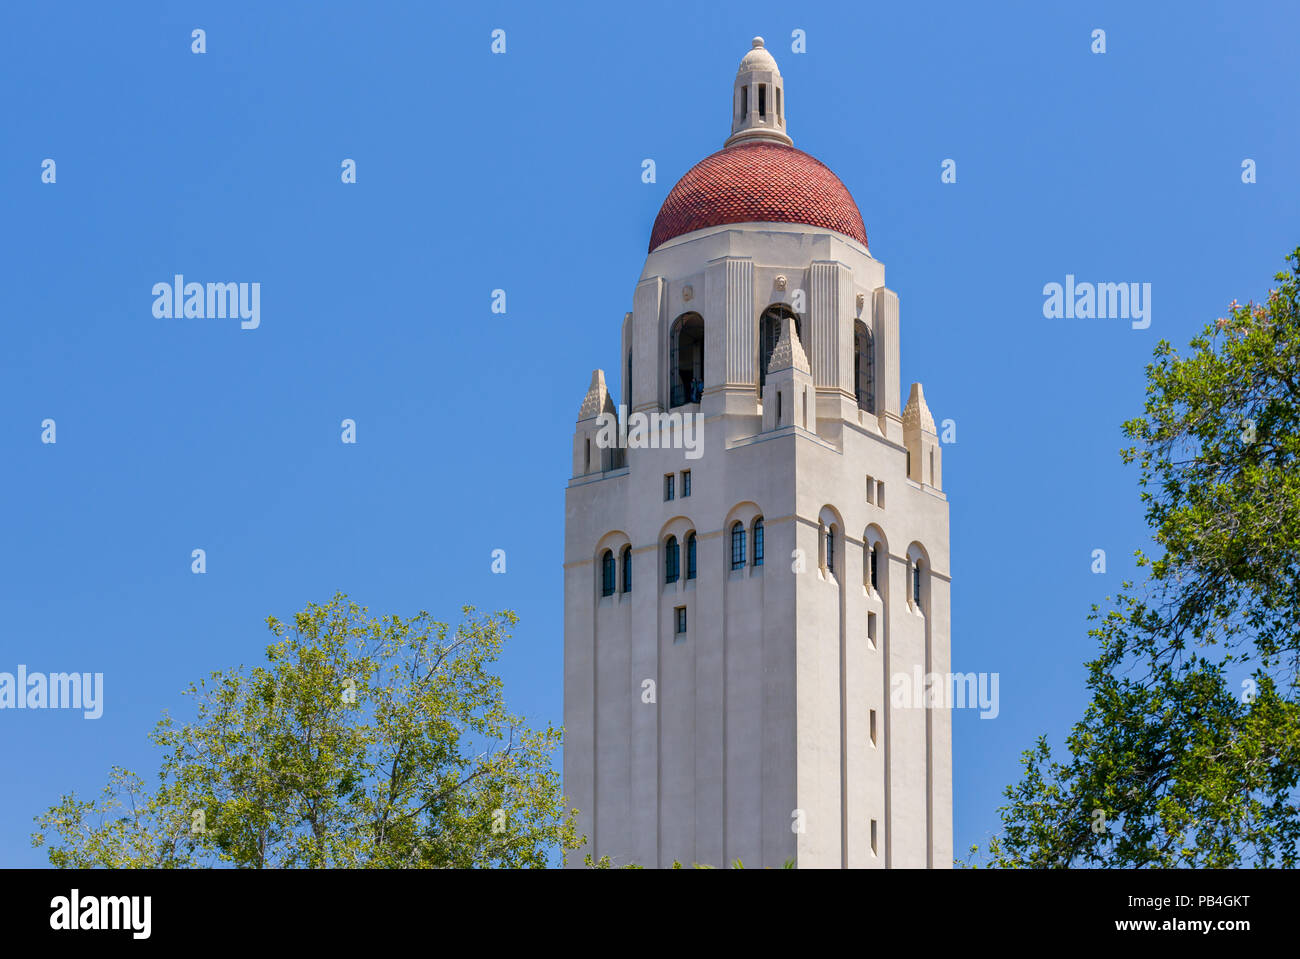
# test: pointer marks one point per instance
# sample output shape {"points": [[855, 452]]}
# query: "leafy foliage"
{"points": [[1189, 751], [361, 743]]}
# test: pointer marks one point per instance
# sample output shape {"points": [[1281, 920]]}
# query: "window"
{"points": [[769, 329], [587, 467], [737, 545], [873, 837], [627, 383], [873, 727], [607, 573], [744, 102], [778, 103], [668, 486], [916, 584], [864, 384], [871, 631], [627, 569], [871, 491], [872, 556], [762, 100], [880, 493], [758, 541], [690, 555], [680, 616], [672, 560], [686, 380], [830, 549], [686, 483]]}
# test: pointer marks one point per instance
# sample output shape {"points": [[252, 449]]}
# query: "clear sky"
{"points": [[522, 172]]}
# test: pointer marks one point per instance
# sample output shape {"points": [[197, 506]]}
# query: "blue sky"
{"points": [[522, 172]]}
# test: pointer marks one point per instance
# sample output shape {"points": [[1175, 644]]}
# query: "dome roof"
{"points": [[758, 182], [757, 59]]}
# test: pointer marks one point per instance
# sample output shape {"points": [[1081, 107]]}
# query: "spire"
{"points": [[597, 400], [757, 101], [916, 415], [788, 351]]}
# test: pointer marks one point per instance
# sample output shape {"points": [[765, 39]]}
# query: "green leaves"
{"points": [[362, 742], [1189, 751]]}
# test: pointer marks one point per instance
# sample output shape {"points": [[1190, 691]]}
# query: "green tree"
{"points": [[1189, 750], [363, 742]]}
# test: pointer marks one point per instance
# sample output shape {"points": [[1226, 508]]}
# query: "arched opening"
{"points": [[686, 380], [758, 541], [627, 569], [864, 378], [690, 555], [917, 573], [672, 560], [830, 549], [737, 545], [607, 573], [769, 332]]}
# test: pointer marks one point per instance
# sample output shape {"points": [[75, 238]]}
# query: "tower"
{"points": [[756, 538]]}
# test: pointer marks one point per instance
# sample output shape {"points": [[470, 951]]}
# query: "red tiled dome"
{"points": [[758, 182]]}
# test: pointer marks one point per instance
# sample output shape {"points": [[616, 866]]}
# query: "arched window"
{"points": [[864, 379], [686, 381], [916, 584], [672, 560], [607, 573], [627, 569], [830, 548], [738, 545], [873, 555], [690, 555], [769, 332], [758, 541]]}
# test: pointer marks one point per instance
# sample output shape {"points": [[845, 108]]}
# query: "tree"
{"points": [[1189, 750], [362, 742]]}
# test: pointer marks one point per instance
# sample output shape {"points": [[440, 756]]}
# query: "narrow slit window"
{"points": [[873, 727], [871, 641], [680, 612], [672, 561], [690, 556], [758, 541], [668, 486], [762, 100], [737, 545], [607, 573]]}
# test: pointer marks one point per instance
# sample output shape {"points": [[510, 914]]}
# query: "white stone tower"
{"points": [[736, 610]]}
